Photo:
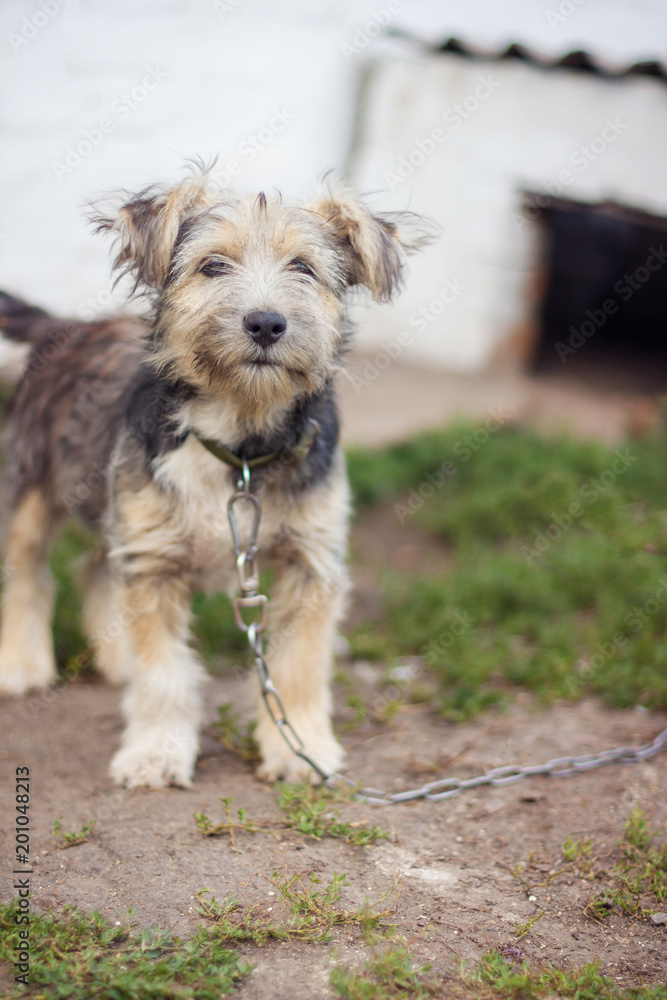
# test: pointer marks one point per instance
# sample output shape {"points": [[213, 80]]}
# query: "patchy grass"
{"points": [[82, 957], [559, 581], [308, 810], [70, 838], [311, 810], [390, 972], [497, 977], [629, 877], [637, 882], [304, 909]]}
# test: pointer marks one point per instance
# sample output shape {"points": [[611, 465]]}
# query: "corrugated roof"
{"points": [[578, 60]]}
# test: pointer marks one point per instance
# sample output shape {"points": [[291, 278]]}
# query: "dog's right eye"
{"points": [[214, 268]]}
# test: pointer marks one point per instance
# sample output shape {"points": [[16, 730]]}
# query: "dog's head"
{"points": [[250, 291]]}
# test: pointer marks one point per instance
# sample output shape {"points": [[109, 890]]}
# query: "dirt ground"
{"points": [[454, 859]]}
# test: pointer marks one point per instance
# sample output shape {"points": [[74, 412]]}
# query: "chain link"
{"points": [[433, 791]]}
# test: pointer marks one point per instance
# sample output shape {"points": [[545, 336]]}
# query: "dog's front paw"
{"points": [[20, 674], [279, 761], [155, 758]]}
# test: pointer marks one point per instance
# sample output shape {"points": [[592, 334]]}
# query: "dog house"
{"points": [[547, 178]]}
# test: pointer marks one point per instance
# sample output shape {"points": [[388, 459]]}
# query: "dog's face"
{"points": [[250, 291]]}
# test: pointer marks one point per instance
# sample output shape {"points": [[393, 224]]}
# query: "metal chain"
{"points": [[434, 791]]}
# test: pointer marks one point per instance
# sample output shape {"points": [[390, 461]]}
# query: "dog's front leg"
{"points": [[306, 607], [162, 703]]}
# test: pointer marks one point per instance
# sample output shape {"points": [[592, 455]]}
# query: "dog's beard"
{"points": [[220, 358], [256, 377]]}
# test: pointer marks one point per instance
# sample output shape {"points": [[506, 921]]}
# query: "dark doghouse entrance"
{"points": [[603, 315]]}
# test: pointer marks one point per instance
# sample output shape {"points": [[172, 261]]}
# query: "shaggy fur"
{"points": [[107, 422]]}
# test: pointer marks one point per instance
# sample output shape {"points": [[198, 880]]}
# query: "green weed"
{"points": [[311, 811], [229, 826], [307, 810], [523, 930], [69, 838], [389, 973], [637, 884], [304, 910], [496, 977], [575, 850], [82, 957]]}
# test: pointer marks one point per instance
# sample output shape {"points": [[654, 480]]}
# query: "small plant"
{"points": [[62, 839], [228, 826], [638, 833], [310, 811], [523, 930], [575, 850]]}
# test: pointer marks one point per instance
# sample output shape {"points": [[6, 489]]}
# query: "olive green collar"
{"points": [[294, 455]]}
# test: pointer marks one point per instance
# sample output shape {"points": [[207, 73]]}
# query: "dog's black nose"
{"points": [[265, 328]]}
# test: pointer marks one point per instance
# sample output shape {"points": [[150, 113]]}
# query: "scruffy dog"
{"points": [[119, 421]]}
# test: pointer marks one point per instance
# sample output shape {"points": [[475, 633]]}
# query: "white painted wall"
{"points": [[66, 65], [575, 135]]}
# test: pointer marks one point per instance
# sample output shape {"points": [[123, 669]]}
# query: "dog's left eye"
{"points": [[301, 267], [214, 268]]}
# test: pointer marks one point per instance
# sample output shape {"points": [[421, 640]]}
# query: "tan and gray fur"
{"points": [[106, 423]]}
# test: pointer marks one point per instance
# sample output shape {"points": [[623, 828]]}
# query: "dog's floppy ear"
{"points": [[373, 247], [146, 227]]}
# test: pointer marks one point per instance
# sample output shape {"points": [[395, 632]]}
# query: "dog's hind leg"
{"points": [[27, 661], [106, 619]]}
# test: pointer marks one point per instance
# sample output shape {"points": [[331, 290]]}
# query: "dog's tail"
{"points": [[21, 327]]}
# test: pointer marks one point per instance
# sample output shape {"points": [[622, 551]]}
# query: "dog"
{"points": [[123, 422]]}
